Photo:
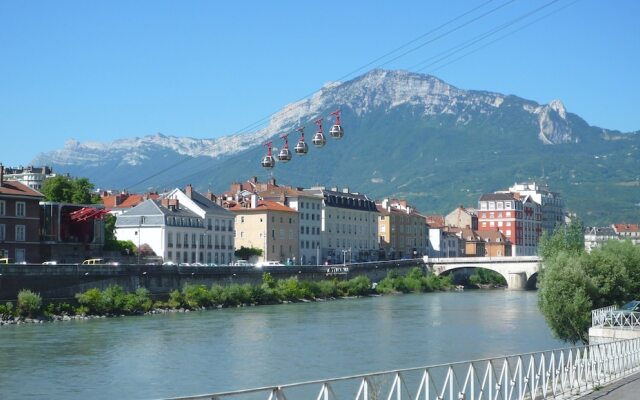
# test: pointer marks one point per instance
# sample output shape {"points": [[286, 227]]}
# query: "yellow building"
{"points": [[402, 231], [269, 226]]}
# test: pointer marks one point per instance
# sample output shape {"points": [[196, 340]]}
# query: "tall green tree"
{"points": [[573, 282], [69, 190]]}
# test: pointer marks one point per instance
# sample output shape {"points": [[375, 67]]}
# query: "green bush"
{"points": [[29, 303], [415, 281], [7, 310], [238, 294], [58, 309], [175, 299], [196, 296], [113, 298], [93, 301], [291, 290], [218, 295], [327, 289], [137, 302]]}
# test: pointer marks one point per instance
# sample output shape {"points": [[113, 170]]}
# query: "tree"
{"points": [[245, 253], [572, 282], [68, 190]]}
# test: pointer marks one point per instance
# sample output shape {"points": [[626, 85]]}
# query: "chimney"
{"points": [[1, 175], [188, 190], [171, 204], [254, 179], [385, 204], [272, 181], [254, 201]]}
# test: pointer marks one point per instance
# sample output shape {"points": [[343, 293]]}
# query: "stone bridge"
{"points": [[519, 272]]}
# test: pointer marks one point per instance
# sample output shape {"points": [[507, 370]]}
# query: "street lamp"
{"points": [[344, 256]]}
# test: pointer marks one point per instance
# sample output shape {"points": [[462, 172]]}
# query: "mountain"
{"points": [[406, 135]]}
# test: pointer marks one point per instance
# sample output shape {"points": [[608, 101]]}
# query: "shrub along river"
{"points": [[176, 354]]}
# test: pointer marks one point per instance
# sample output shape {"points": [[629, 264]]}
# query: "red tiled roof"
{"points": [[626, 227], [126, 200], [15, 188], [435, 221], [264, 205]]}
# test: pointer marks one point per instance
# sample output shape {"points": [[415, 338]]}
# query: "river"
{"points": [[202, 352]]}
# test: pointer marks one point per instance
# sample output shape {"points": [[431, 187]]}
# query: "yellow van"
{"points": [[93, 261]]}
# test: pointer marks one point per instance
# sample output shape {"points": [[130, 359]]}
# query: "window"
{"points": [[20, 233], [20, 209], [3, 232], [170, 240], [508, 214], [2, 207]]}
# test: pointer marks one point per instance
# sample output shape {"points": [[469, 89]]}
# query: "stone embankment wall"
{"points": [[64, 281]]}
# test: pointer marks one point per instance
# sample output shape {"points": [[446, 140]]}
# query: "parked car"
{"points": [[50, 263], [168, 263], [632, 307], [93, 261], [6, 260], [269, 264], [242, 263]]}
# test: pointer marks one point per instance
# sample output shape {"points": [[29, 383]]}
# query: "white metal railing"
{"points": [[612, 317], [550, 374]]}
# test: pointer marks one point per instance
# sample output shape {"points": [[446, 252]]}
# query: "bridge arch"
{"points": [[532, 282], [475, 267]]}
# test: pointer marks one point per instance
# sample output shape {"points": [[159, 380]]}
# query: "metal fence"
{"points": [[550, 374], [612, 317]]}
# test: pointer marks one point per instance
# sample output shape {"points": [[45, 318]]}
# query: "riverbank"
{"points": [[114, 301]]}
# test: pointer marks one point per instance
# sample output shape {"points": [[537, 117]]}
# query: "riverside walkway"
{"points": [[625, 389]]}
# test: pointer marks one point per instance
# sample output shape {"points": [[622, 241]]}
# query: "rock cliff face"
{"points": [[376, 91], [407, 135]]}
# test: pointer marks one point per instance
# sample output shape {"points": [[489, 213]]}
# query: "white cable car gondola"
{"points": [[319, 139], [336, 130], [285, 154], [268, 161], [301, 147]]}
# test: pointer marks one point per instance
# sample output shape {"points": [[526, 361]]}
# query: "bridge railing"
{"points": [[550, 374], [614, 318]]}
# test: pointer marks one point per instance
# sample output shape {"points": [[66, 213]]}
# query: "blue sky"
{"points": [[107, 70]]}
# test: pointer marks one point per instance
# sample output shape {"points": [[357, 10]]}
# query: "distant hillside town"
{"points": [[273, 223]]}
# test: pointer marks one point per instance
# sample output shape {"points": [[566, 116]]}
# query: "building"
{"points": [[402, 232], [33, 177], [71, 233], [269, 226], [551, 203], [517, 217], [628, 231], [349, 225], [443, 243], [19, 221], [594, 236], [462, 218], [309, 208], [182, 227], [121, 202]]}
